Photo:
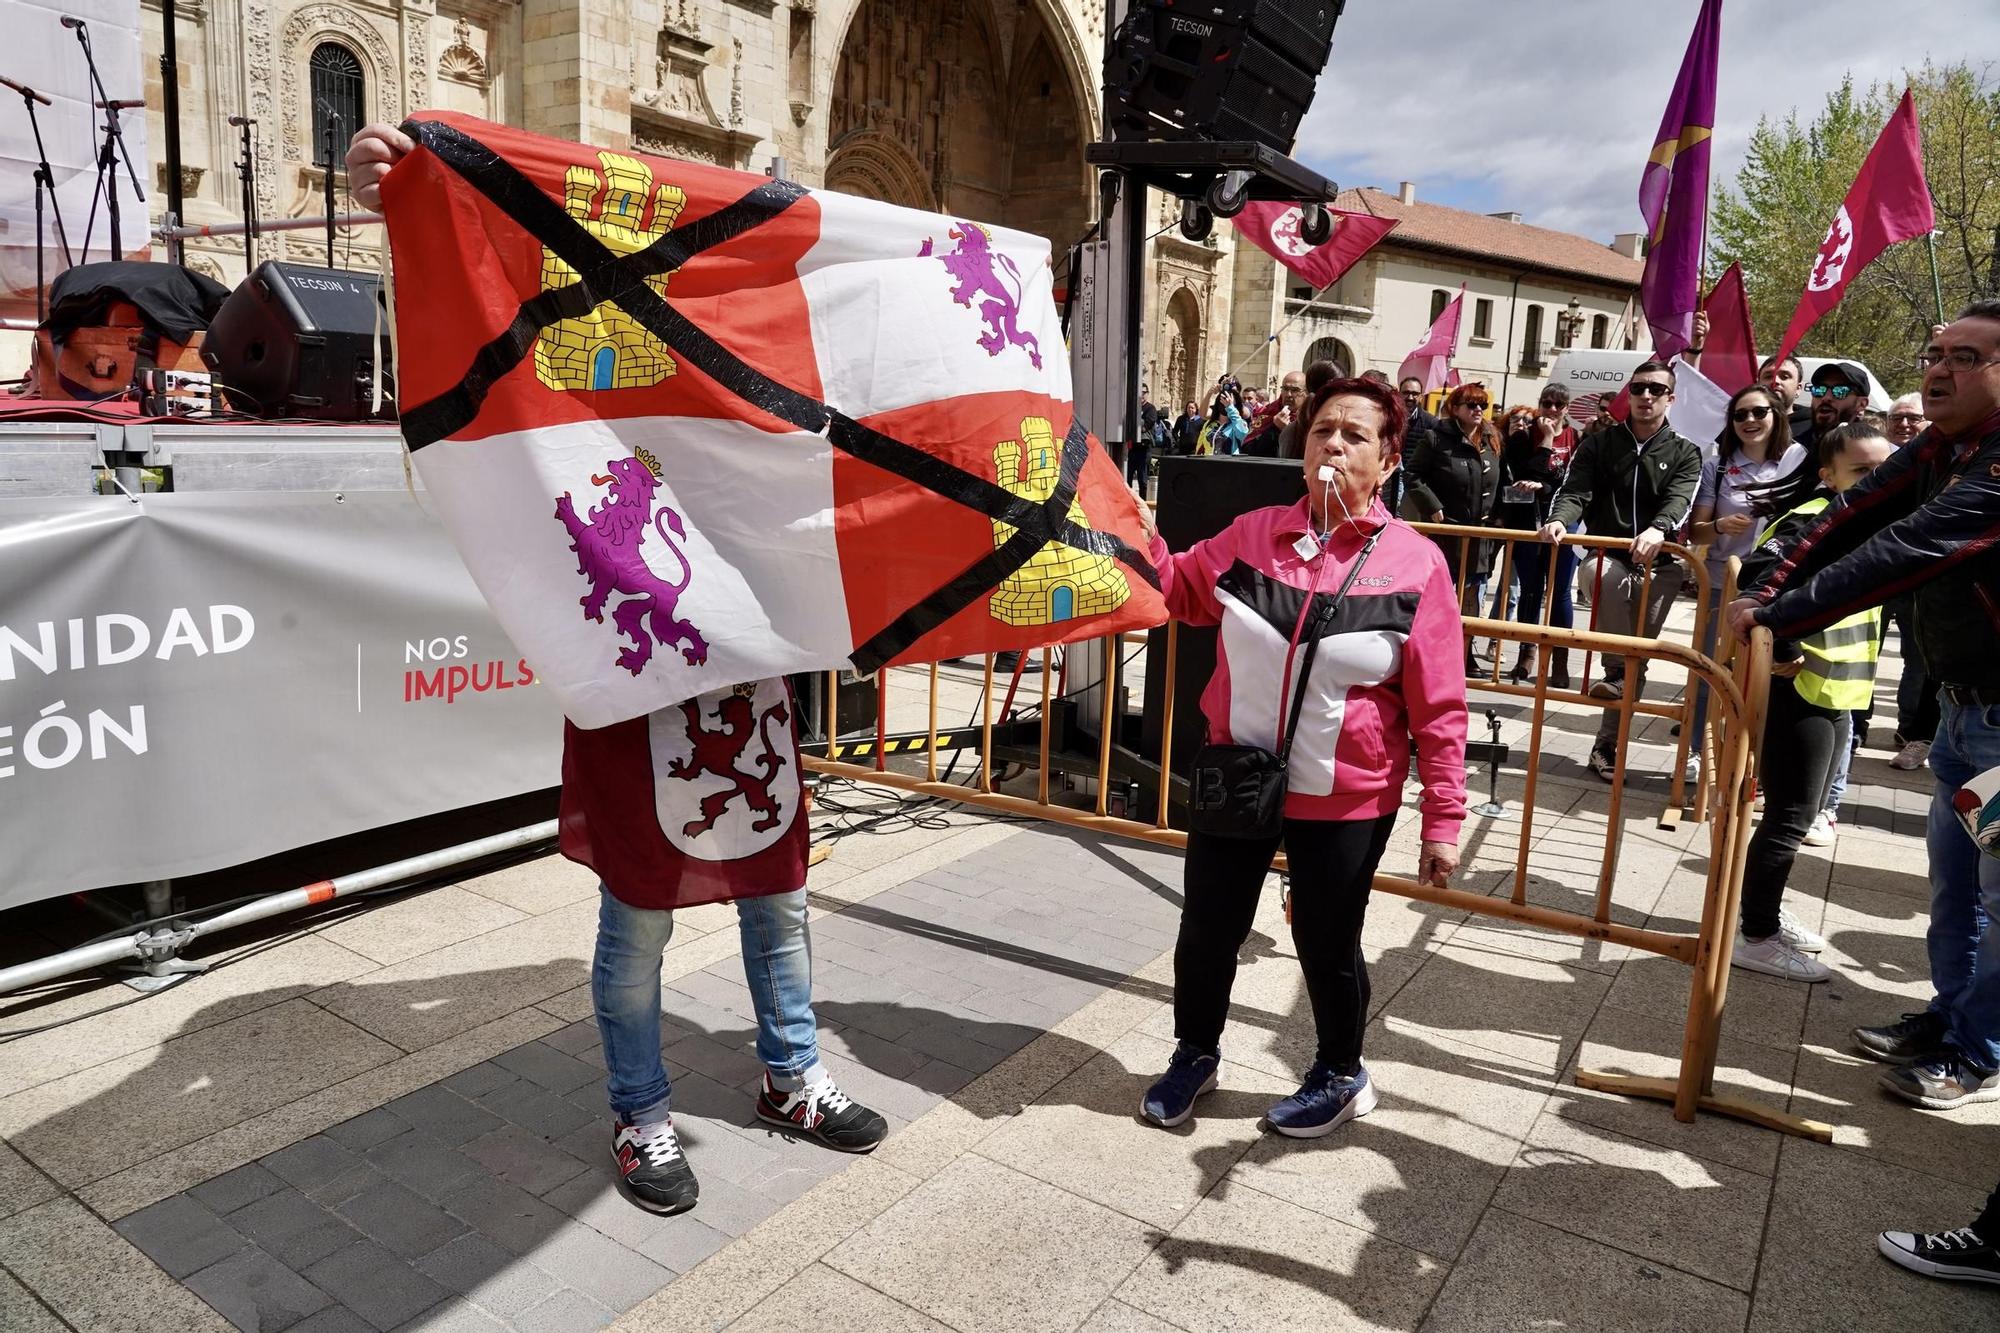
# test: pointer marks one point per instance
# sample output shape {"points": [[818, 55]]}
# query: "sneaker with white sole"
{"points": [[1603, 763], [821, 1111], [653, 1172], [1774, 957], [1911, 757], [1944, 1082], [1613, 690], [1794, 933], [1957, 1256], [1191, 1071], [1324, 1102], [1823, 831]]}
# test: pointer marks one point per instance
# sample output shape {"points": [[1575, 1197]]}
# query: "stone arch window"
{"points": [[1330, 349], [337, 97]]}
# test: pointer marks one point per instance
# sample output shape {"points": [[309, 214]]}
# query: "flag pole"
{"points": [[1311, 301], [1937, 284]]}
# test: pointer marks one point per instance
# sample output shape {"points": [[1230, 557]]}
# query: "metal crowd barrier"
{"points": [[1736, 711]]}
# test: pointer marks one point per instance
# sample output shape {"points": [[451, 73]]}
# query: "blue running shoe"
{"points": [[1190, 1073], [1323, 1103]]}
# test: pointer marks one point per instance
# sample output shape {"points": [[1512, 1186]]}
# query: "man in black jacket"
{"points": [[1927, 523], [1637, 481], [1786, 380]]}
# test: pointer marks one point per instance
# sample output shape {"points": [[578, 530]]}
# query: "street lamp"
{"points": [[1569, 323]]}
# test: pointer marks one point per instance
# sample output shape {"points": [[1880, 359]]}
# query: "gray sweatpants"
{"points": [[1617, 611]]}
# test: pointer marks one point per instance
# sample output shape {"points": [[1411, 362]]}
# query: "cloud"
{"points": [[1549, 108]]}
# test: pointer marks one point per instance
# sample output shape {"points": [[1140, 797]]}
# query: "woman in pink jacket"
{"points": [[1388, 669]]}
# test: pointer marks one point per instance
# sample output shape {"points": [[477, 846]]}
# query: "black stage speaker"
{"points": [[1229, 70], [1199, 496], [296, 341]]}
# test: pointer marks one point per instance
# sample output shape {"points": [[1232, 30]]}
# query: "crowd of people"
{"points": [[1327, 681]]}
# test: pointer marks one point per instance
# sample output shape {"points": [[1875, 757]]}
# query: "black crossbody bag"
{"points": [[1238, 791]]}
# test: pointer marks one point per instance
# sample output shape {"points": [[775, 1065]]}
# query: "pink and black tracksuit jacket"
{"points": [[1390, 666]]}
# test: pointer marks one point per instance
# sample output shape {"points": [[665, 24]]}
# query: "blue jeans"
{"points": [[1532, 559], [1843, 758], [1964, 938], [625, 992]]}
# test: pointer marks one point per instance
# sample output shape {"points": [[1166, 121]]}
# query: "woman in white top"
{"points": [[1754, 448]]}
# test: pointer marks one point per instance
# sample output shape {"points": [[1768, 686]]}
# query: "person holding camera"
{"points": [[1340, 643]]}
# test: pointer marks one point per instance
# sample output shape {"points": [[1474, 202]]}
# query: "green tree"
{"points": [[1795, 176]]}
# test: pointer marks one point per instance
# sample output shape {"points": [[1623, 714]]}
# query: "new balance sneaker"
{"points": [[1957, 1256], [1774, 956], [1943, 1082], [1190, 1073], [1796, 935], [820, 1110], [1323, 1103], [1909, 758], [1917, 1036], [1823, 831], [653, 1172]]}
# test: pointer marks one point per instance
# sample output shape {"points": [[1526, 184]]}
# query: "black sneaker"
{"points": [[1956, 1256], [1918, 1036], [653, 1172], [822, 1111], [1603, 763]]}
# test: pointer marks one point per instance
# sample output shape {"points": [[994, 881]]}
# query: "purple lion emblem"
{"points": [[607, 554], [971, 262]]}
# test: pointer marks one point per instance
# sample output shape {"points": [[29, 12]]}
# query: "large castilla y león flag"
{"points": [[689, 426]]}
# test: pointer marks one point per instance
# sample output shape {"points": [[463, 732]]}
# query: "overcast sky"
{"points": [[1549, 107]]}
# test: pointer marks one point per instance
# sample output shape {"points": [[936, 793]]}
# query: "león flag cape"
{"points": [[689, 426]]}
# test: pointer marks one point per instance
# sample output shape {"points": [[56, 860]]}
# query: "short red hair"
{"points": [[1395, 417]]}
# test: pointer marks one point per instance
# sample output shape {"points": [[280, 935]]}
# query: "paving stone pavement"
{"points": [[398, 1122], [484, 1200]]}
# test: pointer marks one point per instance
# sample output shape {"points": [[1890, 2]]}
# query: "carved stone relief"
{"points": [[307, 28]]}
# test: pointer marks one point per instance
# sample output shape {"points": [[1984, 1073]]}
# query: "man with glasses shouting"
{"points": [[1635, 480], [1927, 522]]}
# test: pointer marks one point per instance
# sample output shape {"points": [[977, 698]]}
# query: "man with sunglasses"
{"points": [[1422, 423], [1839, 395], [1927, 522], [1635, 480]]}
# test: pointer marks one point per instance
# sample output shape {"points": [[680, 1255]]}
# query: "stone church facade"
{"points": [[979, 108]]}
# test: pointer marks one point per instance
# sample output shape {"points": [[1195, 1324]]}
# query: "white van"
{"points": [[1604, 373]]}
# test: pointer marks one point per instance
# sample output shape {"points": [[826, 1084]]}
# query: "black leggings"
{"points": [[1332, 864], [1797, 760]]}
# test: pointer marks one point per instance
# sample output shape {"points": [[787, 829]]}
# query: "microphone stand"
{"points": [[246, 172], [45, 188], [332, 146], [108, 156]]}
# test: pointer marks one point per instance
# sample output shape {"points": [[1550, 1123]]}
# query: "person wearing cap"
{"points": [[1927, 522], [1839, 392]]}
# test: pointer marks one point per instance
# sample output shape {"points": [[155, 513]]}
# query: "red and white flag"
{"points": [[1729, 358], [1274, 229], [1888, 202], [690, 426], [1430, 361]]}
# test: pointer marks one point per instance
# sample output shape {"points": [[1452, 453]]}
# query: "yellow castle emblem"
{"points": [[1058, 582], [607, 348]]}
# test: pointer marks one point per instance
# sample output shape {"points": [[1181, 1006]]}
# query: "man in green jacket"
{"points": [[1637, 481]]}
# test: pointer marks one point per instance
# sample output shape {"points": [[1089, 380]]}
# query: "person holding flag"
{"points": [[618, 798]]}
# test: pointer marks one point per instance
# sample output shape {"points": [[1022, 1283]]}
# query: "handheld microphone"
{"points": [[71, 21], [24, 90], [122, 104], [240, 121]]}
